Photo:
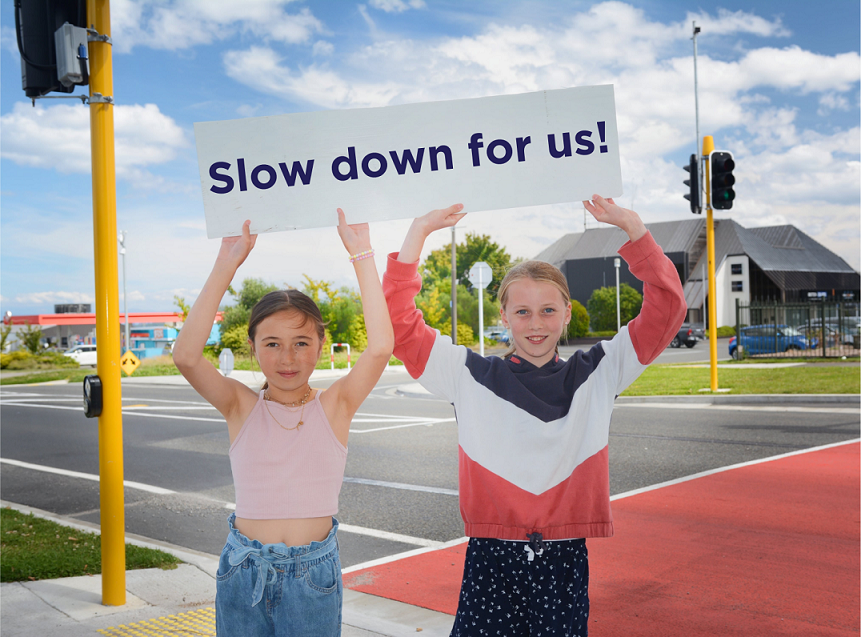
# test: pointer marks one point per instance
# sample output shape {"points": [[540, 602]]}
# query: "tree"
{"points": [[31, 338], [475, 247], [5, 330], [184, 307], [249, 294], [579, 325], [432, 308], [602, 306]]}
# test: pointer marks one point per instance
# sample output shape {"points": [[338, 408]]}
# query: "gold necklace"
{"points": [[295, 403]]}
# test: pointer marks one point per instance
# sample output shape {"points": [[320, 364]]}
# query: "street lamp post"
{"points": [[617, 262], [122, 238]]}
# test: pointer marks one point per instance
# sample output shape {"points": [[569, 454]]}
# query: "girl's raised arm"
{"points": [[221, 392], [350, 391]]}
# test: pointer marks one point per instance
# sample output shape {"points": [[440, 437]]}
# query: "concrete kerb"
{"points": [[70, 606], [204, 561]]}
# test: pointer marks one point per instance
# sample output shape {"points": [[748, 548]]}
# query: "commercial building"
{"points": [[774, 263]]}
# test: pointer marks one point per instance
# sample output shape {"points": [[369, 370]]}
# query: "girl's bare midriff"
{"points": [[296, 532]]}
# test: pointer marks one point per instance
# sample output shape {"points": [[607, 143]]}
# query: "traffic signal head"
{"points": [[721, 179], [694, 184], [35, 25]]}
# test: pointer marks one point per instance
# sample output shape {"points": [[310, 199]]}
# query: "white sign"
{"points": [[293, 171], [225, 361], [480, 274]]}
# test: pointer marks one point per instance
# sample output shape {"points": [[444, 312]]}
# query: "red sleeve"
{"points": [[664, 307], [413, 338]]}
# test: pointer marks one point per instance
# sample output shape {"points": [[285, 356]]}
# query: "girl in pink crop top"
{"points": [[288, 443]]}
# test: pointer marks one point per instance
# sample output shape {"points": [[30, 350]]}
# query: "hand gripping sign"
{"points": [[287, 172]]}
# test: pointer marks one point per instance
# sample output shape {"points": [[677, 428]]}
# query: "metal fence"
{"points": [[797, 329]]}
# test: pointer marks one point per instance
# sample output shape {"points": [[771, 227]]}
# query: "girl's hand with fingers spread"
{"points": [[234, 250], [439, 219], [606, 211], [356, 237]]}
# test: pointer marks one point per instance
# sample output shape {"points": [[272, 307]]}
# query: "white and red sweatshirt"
{"points": [[533, 441]]}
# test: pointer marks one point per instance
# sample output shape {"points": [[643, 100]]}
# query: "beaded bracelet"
{"points": [[361, 255]]}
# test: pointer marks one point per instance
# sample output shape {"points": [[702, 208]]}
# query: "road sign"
{"points": [[480, 274], [225, 361], [129, 363]]}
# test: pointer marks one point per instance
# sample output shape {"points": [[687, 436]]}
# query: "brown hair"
{"points": [[286, 301], [540, 271]]}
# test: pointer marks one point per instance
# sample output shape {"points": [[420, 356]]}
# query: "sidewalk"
{"points": [[163, 602]]}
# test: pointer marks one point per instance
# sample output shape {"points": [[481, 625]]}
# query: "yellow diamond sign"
{"points": [[129, 362]]}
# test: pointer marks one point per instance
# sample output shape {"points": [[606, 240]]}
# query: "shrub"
{"points": [[465, 335], [14, 357], [236, 338], [26, 360], [579, 325], [602, 306]]}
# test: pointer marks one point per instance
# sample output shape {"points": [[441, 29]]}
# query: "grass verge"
{"points": [[667, 380], [35, 549], [163, 366]]}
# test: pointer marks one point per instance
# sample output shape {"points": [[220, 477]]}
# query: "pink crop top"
{"points": [[286, 474]]}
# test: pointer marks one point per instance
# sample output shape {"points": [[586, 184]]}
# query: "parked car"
{"points": [[688, 336], [499, 334], [762, 339], [84, 354]]}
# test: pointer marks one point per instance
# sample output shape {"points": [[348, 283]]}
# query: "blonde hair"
{"points": [[539, 271]]}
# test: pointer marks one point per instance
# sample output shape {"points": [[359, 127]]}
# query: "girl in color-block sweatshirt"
{"points": [[533, 429]]}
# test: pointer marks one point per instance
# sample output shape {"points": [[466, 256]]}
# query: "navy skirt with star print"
{"points": [[513, 589]]}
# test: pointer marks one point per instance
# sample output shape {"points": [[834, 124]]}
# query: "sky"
{"points": [[778, 87]]}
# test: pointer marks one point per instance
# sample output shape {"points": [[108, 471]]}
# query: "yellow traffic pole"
{"points": [[111, 497], [709, 146]]}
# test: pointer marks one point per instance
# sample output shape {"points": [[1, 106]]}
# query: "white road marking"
{"points": [[386, 535], [401, 485], [711, 472], [84, 476], [133, 410], [399, 556], [347, 528]]}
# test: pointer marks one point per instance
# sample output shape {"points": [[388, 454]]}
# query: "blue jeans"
{"points": [[278, 590]]}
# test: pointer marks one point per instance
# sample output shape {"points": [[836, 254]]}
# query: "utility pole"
{"points": [[696, 30], [122, 239], [111, 496], [453, 289], [708, 147]]}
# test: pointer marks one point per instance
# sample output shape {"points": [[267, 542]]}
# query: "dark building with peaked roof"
{"points": [[779, 263]]}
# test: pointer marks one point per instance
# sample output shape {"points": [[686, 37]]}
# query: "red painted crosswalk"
{"points": [[770, 548]]}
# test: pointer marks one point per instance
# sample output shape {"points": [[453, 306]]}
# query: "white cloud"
{"points": [[180, 24], [397, 6], [49, 298], [323, 48], [9, 41], [729, 22], [58, 137]]}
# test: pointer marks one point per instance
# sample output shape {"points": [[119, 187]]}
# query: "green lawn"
{"points": [[35, 549], [163, 366], [662, 380]]}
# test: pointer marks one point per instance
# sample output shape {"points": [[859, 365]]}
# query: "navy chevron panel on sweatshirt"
{"points": [[545, 393]]}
